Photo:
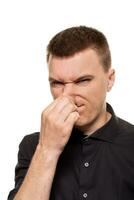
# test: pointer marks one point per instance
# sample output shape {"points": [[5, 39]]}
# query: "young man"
{"points": [[83, 151]]}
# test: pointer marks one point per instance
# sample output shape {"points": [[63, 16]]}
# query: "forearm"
{"points": [[38, 180]]}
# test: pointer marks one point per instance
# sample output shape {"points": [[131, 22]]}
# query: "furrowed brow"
{"points": [[86, 76]]}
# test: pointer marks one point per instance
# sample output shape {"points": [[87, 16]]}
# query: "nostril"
{"points": [[78, 105]]}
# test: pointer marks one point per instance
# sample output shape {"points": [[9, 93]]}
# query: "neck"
{"points": [[96, 124]]}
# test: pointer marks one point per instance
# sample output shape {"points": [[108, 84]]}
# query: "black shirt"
{"points": [[100, 167]]}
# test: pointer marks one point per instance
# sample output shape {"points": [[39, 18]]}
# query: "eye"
{"points": [[56, 84], [83, 81]]}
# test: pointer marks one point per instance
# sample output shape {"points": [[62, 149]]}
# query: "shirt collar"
{"points": [[107, 133]]}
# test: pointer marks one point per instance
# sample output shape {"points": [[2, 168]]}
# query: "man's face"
{"points": [[83, 79]]}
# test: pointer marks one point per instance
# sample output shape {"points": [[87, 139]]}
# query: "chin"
{"points": [[80, 122], [83, 122]]}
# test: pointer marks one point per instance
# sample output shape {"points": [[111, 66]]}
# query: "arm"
{"points": [[38, 181], [56, 125]]}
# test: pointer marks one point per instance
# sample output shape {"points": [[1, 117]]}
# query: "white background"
{"points": [[26, 26]]}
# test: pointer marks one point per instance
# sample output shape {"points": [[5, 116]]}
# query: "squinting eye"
{"points": [[83, 81], [56, 84]]}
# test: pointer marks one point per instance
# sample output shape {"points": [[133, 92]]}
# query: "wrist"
{"points": [[48, 152]]}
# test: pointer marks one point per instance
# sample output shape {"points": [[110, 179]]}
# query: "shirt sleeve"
{"points": [[25, 154]]}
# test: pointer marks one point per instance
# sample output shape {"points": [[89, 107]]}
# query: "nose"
{"points": [[69, 89]]}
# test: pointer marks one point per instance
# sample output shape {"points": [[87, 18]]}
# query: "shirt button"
{"points": [[86, 140], [86, 164], [85, 195]]}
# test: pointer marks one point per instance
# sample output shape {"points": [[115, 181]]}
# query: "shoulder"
{"points": [[29, 143], [125, 130], [125, 126], [31, 138]]}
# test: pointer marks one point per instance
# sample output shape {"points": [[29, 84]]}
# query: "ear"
{"points": [[111, 79]]}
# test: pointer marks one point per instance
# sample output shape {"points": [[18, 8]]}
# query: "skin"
{"points": [[83, 79], [79, 85]]}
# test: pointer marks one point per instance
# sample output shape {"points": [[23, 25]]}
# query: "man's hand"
{"points": [[57, 121]]}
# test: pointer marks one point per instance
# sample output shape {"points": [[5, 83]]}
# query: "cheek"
{"points": [[95, 95]]}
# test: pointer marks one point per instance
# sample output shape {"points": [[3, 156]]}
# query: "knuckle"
{"points": [[43, 114], [72, 106], [46, 116], [65, 99]]}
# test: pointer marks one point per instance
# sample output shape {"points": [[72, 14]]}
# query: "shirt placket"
{"points": [[86, 169]]}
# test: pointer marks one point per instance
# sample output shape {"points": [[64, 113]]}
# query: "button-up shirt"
{"points": [[100, 167]]}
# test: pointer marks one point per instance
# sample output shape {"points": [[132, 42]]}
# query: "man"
{"points": [[83, 151]]}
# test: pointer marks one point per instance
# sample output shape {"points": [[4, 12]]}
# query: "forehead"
{"points": [[85, 62]]}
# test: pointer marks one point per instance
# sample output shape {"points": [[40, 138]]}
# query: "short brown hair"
{"points": [[75, 39]]}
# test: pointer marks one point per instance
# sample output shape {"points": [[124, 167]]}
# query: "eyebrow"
{"points": [[85, 76]]}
